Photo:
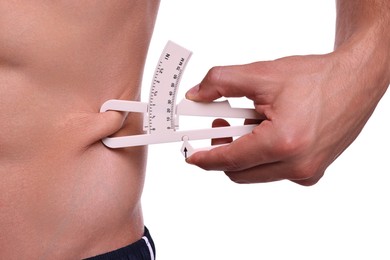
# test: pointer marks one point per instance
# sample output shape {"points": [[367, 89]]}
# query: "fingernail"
{"points": [[189, 160], [192, 92]]}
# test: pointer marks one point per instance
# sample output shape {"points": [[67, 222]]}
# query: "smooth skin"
{"points": [[315, 106], [63, 194]]}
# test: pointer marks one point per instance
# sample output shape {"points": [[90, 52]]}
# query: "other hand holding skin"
{"points": [[315, 106]]}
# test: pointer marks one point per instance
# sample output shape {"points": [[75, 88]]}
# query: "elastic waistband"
{"points": [[142, 249]]}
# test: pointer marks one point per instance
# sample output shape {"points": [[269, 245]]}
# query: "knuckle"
{"points": [[214, 74], [306, 174], [231, 164], [309, 182], [302, 173], [291, 145]]}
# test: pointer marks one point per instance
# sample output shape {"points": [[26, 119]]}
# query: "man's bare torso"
{"points": [[63, 195]]}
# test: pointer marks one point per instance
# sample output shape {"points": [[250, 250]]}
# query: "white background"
{"points": [[194, 214]]}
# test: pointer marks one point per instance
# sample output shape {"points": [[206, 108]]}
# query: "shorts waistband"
{"points": [[142, 249]]}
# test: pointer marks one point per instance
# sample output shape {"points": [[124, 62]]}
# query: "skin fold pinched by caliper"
{"points": [[161, 114]]}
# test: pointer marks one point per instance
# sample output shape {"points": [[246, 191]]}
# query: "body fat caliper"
{"points": [[161, 114]]}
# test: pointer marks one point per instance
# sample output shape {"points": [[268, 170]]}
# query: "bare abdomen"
{"points": [[63, 194]]}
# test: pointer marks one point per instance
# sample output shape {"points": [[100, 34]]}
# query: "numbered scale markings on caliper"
{"points": [[161, 114]]}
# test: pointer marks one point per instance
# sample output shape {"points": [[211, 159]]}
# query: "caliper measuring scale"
{"points": [[161, 114]]}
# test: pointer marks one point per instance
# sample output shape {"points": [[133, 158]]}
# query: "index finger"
{"points": [[225, 81]]}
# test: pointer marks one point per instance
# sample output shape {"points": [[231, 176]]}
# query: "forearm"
{"points": [[357, 15], [363, 34]]}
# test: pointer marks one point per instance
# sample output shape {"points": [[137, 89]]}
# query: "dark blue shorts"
{"points": [[142, 249]]}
